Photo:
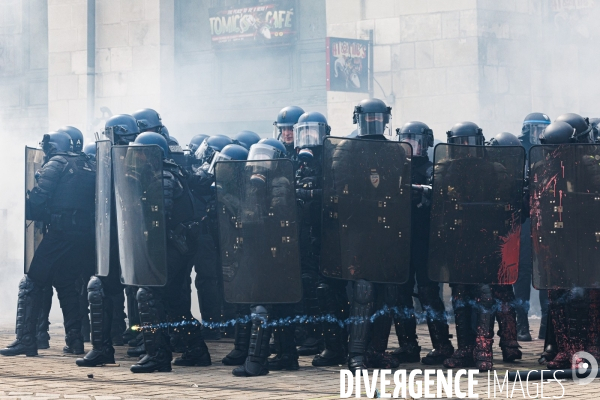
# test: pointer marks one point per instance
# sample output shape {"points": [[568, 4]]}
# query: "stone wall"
{"points": [[425, 59]]}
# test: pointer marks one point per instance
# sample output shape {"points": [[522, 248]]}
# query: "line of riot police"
{"points": [[334, 232]]}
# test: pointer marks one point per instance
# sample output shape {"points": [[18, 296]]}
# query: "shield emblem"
{"points": [[374, 178]]}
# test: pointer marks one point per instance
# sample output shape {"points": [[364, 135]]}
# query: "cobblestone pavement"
{"points": [[53, 375]]}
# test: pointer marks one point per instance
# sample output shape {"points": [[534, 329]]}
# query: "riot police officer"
{"points": [[283, 127], [533, 126], [158, 305], [63, 199], [255, 340], [574, 313], [420, 136], [474, 346], [366, 348], [104, 291]]}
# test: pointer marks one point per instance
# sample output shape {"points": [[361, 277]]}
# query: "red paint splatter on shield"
{"points": [[509, 250]]}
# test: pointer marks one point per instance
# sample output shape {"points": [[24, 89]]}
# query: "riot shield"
{"points": [[565, 214], [138, 182], [366, 219], [34, 230], [476, 214], [258, 231], [103, 206]]}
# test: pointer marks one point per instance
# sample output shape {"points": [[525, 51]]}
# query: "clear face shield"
{"points": [[217, 157], [284, 133], [467, 140], [535, 131], [417, 141], [205, 153], [309, 134], [375, 124]]}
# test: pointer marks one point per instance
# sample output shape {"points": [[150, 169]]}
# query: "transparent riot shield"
{"points": [[103, 206], [565, 215], [366, 219], [476, 208], [258, 231], [138, 183], [34, 230]]}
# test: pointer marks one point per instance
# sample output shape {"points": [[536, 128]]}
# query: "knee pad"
{"points": [[26, 286], [259, 313], [144, 295], [95, 290], [486, 299], [363, 292]]}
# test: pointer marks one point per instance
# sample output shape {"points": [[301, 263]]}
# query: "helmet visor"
{"points": [[417, 141], [374, 124], [467, 140], [261, 151], [535, 131], [218, 157], [309, 134], [205, 153]]}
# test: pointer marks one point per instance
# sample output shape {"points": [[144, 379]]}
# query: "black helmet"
{"points": [[583, 129], [418, 134], [195, 142], [90, 151], [311, 129], [246, 138], [173, 141], [373, 117], [286, 119], [152, 138], [558, 132], [504, 139], [165, 132], [231, 152], [267, 149], [56, 143], [121, 129], [148, 120], [533, 126], [466, 133], [75, 135], [210, 146]]}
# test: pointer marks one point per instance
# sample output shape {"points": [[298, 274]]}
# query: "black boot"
{"points": [[360, 328], [335, 336], [377, 356], [543, 326], [437, 324], [196, 351], [100, 317], [74, 342], [43, 324], [256, 363], [523, 334], [550, 345], [158, 357], [483, 354], [287, 355], [238, 355], [465, 336], [507, 331], [27, 314], [409, 350], [312, 343]]}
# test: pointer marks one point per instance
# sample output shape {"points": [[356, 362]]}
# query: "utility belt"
{"points": [[185, 234], [72, 221]]}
